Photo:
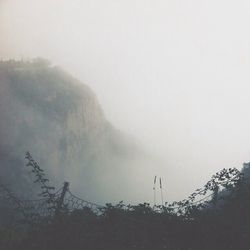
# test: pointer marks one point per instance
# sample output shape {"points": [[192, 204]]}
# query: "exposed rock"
{"points": [[57, 119]]}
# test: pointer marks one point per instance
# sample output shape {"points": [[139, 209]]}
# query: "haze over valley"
{"points": [[165, 86]]}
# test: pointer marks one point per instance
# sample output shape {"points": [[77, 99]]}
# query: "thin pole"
{"points": [[154, 190], [61, 199], [161, 193]]}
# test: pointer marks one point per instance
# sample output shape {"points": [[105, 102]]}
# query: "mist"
{"points": [[172, 74]]}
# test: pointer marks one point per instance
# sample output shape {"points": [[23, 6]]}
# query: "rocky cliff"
{"points": [[58, 119]]}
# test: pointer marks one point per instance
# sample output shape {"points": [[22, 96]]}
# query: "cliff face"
{"points": [[57, 119]]}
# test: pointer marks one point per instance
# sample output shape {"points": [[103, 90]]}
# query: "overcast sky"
{"points": [[173, 73]]}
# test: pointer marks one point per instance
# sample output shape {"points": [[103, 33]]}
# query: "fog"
{"points": [[173, 74]]}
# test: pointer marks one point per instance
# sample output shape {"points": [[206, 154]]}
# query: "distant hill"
{"points": [[58, 119]]}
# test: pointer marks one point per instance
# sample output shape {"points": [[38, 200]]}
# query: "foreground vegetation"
{"points": [[214, 217]]}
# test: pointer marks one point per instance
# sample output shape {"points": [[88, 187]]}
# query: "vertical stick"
{"points": [[61, 199], [154, 191], [161, 193]]}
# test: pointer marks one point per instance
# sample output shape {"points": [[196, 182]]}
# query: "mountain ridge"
{"points": [[58, 119]]}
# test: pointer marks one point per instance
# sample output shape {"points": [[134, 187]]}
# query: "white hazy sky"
{"points": [[173, 73]]}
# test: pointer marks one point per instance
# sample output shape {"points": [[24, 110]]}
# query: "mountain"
{"points": [[58, 119]]}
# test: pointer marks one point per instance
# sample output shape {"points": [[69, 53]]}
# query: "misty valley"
{"points": [[70, 180]]}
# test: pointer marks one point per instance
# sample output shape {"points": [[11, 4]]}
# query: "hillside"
{"points": [[58, 119]]}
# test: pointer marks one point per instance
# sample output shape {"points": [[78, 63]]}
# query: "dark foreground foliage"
{"points": [[219, 222]]}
